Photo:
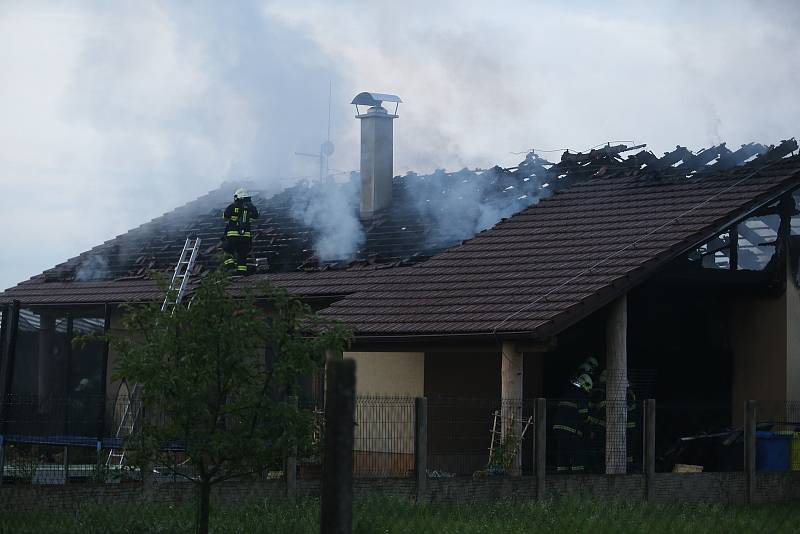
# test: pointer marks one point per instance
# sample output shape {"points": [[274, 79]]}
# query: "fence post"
{"points": [[66, 464], [750, 450], [337, 469], [650, 448], [2, 458], [98, 462], [540, 447], [421, 446], [290, 467]]}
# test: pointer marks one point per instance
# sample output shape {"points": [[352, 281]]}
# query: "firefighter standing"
{"points": [[571, 421], [238, 234]]}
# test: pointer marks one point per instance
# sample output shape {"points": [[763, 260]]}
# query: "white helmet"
{"points": [[241, 193]]}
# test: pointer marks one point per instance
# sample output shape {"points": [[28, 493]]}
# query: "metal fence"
{"points": [[384, 437], [83, 439], [466, 436]]}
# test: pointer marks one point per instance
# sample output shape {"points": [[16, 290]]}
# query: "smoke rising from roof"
{"points": [[114, 113], [331, 209], [463, 203], [92, 268]]}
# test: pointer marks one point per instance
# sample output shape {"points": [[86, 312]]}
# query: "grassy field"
{"points": [[393, 516]]}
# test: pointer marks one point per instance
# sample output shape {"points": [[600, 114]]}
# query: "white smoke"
{"points": [[92, 268], [461, 204], [331, 209]]}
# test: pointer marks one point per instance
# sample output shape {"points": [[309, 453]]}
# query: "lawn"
{"points": [[394, 516]]}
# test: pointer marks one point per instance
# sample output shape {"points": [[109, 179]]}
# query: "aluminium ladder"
{"points": [[180, 278], [174, 296], [116, 457]]}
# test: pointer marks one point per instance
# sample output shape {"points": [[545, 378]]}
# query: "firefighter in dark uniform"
{"points": [[238, 233], [571, 422]]}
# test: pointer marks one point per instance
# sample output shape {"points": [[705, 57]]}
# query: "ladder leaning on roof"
{"points": [[174, 296], [180, 278]]}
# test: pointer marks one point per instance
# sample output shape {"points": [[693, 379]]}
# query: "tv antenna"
{"points": [[325, 149]]}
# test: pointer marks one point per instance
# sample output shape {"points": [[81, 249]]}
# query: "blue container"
{"points": [[772, 451]]}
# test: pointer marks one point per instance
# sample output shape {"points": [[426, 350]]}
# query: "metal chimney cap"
{"points": [[374, 99]]}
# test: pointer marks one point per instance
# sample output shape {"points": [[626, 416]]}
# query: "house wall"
{"points": [[113, 357], [389, 373], [462, 375], [758, 329]]}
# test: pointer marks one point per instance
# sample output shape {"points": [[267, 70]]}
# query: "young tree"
{"points": [[218, 377]]}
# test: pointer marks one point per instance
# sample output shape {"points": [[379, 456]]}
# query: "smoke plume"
{"points": [[331, 209], [461, 204], [92, 268]]}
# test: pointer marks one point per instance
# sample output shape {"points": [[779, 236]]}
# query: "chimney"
{"points": [[377, 151]]}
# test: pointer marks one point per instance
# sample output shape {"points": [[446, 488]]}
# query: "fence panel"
{"points": [[698, 436], [466, 436], [384, 437]]}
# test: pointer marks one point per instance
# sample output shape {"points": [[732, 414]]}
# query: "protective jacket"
{"points": [[239, 214], [238, 234]]}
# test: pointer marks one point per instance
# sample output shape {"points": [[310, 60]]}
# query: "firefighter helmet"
{"points": [[584, 381], [240, 194]]}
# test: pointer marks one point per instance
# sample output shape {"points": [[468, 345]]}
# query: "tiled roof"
{"points": [[534, 273], [407, 233], [428, 214]]}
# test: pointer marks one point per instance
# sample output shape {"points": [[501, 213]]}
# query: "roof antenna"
{"points": [[326, 148]]}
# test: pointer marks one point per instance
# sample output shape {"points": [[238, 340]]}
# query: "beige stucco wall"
{"points": [[765, 336], [758, 340], [389, 373], [386, 427]]}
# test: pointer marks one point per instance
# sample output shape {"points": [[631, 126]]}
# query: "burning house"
{"points": [[678, 273]]}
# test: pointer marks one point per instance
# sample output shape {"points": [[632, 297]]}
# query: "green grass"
{"points": [[395, 516]]}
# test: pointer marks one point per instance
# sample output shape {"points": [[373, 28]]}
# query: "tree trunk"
{"points": [[203, 506]]}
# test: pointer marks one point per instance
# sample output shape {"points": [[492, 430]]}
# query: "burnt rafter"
{"points": [[429, 213]]}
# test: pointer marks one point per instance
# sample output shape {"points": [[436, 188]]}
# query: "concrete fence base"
{"points": [[719, 488]]}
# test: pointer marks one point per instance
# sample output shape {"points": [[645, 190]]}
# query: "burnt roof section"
{"points": [[550, 265], [429, 213]]}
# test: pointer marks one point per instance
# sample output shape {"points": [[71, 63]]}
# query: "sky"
{"points": [[112, 113]]}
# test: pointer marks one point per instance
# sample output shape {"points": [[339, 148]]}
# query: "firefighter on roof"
{"points": [[238, 234]]}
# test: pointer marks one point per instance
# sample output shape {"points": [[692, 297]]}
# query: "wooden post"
{"points": [[7, 363], [337, 470], [650, 448], [98, 462], [290, 467], [511, 398], [421, 446], [616, 387], [540, 447], [66, 464], [330, 356], [2, 459], [750, 450]]}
